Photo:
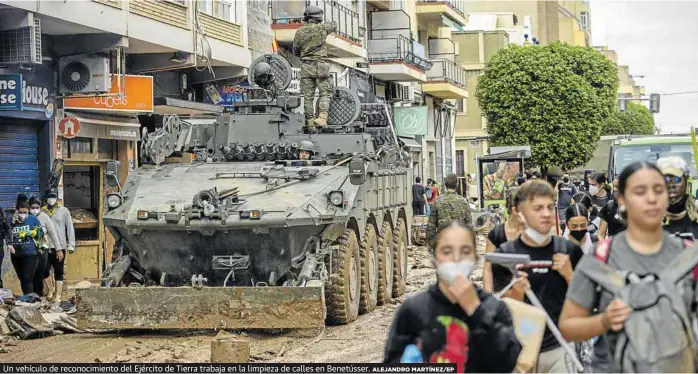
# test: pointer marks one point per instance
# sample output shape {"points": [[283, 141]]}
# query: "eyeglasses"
{"points": [[674, 179]]}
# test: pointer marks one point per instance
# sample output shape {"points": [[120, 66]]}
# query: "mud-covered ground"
{"points": [[361, 341]]}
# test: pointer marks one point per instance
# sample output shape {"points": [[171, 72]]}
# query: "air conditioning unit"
{"points": [[22, 45], [84, 75]]}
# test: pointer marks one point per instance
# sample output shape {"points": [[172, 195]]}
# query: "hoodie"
{"points": [[443, 332], [63, 223], [25, 235]]}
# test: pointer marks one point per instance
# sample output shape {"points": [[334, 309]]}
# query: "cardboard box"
{"points": [[529, 325]]}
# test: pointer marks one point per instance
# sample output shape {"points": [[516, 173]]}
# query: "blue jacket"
{"points": [[22, 240]]}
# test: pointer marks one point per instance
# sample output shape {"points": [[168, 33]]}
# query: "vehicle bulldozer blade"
{"points": [[201, 308]]}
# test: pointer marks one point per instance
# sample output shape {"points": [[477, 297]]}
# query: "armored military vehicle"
{"points": [[271, 226]]}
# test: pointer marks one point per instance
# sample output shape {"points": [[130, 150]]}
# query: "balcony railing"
{"points": [[457, 5], [285, 11], [447, 70], [395, 48]]}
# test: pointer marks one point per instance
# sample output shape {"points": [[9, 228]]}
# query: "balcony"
{"points": [[446, 80], [380, 4], [287, 17], [392, 54], [392, 59], [436, 10]]}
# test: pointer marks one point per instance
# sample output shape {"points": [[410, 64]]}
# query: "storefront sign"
{"points": [[69, 127], [36, 91], [10, 92], [226, 94], [138, 97], [95, 130], [411, 120]]}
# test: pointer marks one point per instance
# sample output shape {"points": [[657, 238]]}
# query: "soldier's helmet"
{"points": [[306, 145], [263, 74], [313, 14]]}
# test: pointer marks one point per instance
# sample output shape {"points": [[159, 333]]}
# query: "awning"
{"points": [[107, 127], [168, 105], [410, 142]]}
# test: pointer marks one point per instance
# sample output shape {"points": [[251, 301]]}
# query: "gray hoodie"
{"points": [[63, 224], [50, 234]]}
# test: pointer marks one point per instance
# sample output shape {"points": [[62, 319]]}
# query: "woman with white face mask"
{"points": [[26, 232], [63, 223], [454, 321], [43, 246]]}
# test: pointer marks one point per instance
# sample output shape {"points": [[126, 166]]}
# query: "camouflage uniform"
{"points": [[310, 45], [448, 207]]}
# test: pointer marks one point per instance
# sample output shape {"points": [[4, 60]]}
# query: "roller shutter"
{"points": [[19, 160]]}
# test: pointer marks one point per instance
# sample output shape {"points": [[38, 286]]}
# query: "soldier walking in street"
{"points": [[310, 45], [448, 207]]}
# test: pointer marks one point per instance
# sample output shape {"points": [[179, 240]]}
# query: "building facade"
{"points": [[85, 78]]}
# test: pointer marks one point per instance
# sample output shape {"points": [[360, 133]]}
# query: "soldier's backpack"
{"points": [[657, 337]]}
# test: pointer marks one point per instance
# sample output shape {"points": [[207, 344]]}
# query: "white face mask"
{"points": [[533, 234], [34, 212], [448, 271], [23, 216], [593, 190], [51, 201]]}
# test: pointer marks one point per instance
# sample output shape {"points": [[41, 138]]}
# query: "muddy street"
{"points": [[361, 341]]}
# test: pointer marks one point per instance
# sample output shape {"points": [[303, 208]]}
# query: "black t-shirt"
{"points": [[498, 235], [682, 226], [417, 194], [548, 285], [609, 213]]}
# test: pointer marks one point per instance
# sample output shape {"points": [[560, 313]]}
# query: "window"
{"points": [[223, 9], [396, 4], [460, 163], [584, 19], [462, 106], [178, 2]]}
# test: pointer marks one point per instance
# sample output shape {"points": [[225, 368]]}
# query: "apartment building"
{"points": [[83, 77], [398, 52], [627, 86]]}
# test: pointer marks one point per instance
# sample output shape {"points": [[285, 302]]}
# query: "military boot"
{"points": [[321, 120]]}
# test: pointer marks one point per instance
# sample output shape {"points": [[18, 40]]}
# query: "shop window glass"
{"points": [[105, 148], [80, 145], [81, 186]]}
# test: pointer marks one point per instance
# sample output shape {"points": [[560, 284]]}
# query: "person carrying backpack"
{"points": [[642, 284]]}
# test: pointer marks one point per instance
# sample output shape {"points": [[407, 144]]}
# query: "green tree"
{"points": [[554, 98], [636, 120]]}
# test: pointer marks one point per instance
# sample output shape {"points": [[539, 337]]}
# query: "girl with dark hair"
{"points": [[502, 233], [454, 321], [577, 218], [643, 248], [594, 220], [611, 222], [26, 232]]}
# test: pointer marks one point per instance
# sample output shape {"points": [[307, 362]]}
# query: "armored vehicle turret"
{"points": [[271, 225]]}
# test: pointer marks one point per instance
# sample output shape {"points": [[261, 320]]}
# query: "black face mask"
{"points": [[578, 234], [566, 180]]}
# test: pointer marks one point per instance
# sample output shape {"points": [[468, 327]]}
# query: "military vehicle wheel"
{"points": [[343, 292], [400, 258], [385, 264], [369, 270]]}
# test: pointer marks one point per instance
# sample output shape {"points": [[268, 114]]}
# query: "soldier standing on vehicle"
{"points": [[311, 46], [448, 207], [682, 216]]}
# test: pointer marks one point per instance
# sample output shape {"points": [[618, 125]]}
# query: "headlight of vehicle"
{"points": [[337, 198], [113, 201]]}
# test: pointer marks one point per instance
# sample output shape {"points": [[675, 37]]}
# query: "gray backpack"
{"points": [[658, 335]]}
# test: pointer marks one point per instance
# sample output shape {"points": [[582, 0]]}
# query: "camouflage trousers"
{"points": [[315, 74]]}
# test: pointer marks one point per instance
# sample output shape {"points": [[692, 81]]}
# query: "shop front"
{"points": [[26, 110], [89, 133]]}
